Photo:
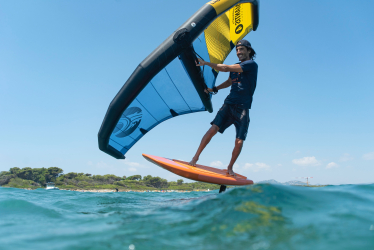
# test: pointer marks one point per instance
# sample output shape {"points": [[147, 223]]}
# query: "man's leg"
{"points": [[206, 139], [241, 125], [235, 153]]}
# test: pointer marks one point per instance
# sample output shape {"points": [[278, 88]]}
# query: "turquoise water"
{"points": [[255, 217]]}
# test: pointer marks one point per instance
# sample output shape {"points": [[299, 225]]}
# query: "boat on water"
{"points": [[51, 186]]}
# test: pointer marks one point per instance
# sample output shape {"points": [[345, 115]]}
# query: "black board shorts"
{"points": [[232, 114]]}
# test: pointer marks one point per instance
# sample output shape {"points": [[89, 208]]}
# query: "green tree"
{"points": [[134, 177], [147, 177], [111, 178], [42, 180], [70, 175], [54, 172], [14, 170], [26, 174], [156, 182], [98, 178], [179, 182], [5, 177], [39, 175]]}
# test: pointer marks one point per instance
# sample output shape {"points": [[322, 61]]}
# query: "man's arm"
{"points": [[220, 67], [223, 85]]}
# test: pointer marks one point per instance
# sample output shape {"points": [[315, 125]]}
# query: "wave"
{"points": [[260, 216]]}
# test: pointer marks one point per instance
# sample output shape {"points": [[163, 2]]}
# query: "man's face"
{"points": [[242, 53]]}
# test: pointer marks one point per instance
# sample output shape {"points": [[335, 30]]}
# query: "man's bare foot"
{"points": [[230, 173], [193, 162]]}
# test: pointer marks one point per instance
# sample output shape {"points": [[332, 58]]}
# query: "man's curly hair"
{"points": [[252, 53]]}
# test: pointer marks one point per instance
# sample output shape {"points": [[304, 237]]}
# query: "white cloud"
{"points": [[332, 165], [131, 164], [248, 166], [368, 156], [102, 165], [346, 157], [306, 161], [258, 166], [216, 164]]}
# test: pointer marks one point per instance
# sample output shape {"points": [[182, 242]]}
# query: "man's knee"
{"points": [[213, 129], [239, 142]]}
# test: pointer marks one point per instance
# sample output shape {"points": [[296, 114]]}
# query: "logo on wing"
{"points": [[239, 28], [128, 122], [237, 19], [237, 14]]}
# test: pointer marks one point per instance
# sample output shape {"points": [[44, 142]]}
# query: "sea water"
{"points": [[254, 217]]}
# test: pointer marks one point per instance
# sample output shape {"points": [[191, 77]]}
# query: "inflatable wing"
{"points": [[168, 83]]}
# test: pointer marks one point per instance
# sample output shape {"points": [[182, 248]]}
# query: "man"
{"points": [[235, 110]]}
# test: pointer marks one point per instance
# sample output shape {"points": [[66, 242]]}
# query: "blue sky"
{"points": [[62, 62]]}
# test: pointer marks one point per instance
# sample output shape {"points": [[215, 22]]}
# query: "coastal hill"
{"points": [[32, 178]]}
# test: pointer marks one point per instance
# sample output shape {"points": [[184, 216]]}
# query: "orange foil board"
{"points": [[199, 173]]}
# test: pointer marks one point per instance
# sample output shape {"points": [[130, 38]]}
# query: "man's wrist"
{"points": [[212, 65]]}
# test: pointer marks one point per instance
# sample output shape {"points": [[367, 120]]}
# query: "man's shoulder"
{"points": [[249, 65], [248, 62]]}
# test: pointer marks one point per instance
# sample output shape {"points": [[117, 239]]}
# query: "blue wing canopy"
{"points": [[170, 93]]}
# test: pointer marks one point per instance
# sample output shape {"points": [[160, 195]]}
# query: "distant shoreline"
{"points": [[121, 190], [32, 178]]}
